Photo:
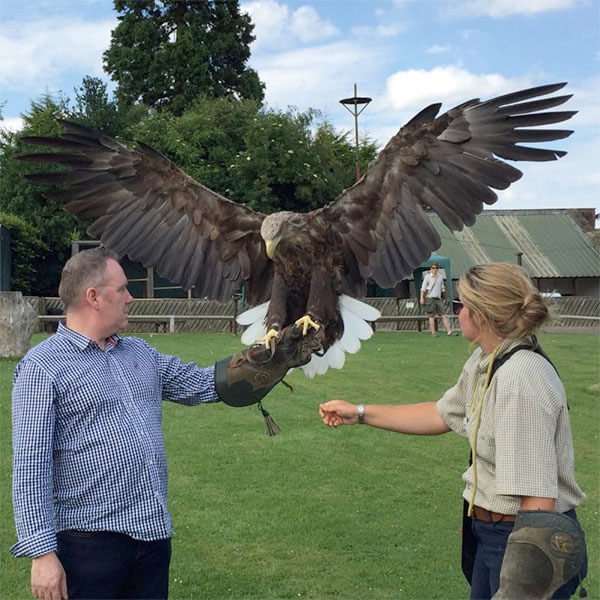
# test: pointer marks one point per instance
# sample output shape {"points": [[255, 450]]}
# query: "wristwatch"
{"points": [[361, 414]]}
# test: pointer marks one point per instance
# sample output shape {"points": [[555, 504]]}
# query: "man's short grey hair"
{"points": [[83, 270]]}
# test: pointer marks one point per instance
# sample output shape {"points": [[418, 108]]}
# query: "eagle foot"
{"points": [[270, 339], [305, 322]]}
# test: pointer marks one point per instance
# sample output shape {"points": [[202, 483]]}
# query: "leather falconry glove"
{"points": [[247, 376], [544, 551]]}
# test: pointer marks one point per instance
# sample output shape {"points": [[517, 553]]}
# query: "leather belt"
{"points": [[489, 516]]}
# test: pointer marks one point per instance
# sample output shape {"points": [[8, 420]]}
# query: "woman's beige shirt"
{"points": [[524, 442]]}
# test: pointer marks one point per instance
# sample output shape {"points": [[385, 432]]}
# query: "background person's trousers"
{"points": [[106, 565]]}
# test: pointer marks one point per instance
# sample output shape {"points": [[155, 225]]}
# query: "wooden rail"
{"points": [[162, 321], [167, 322]]}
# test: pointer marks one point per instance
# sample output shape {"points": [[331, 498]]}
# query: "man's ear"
{"points": [[91, 297]]}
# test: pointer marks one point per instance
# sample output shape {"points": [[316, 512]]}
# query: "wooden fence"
{"points": [[193, 315]]}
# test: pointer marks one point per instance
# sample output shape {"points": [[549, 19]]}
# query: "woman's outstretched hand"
{"points": [[338, 412]]}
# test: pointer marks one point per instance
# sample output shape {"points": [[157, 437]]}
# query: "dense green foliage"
{"points": [[270, 160], [166, 53], [354, 513], [26, 249], [94, 108], [53, 226]]}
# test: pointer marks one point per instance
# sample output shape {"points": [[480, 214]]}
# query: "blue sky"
{"points": [[404, 54]]}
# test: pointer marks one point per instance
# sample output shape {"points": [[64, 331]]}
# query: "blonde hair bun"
{"points": [[503, 296]]}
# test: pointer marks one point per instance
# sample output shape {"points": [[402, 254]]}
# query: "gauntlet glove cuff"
{"points": [[249, 375], [544, 551]]}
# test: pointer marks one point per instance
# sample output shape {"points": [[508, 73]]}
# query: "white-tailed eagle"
{"points": [[313, 264]]}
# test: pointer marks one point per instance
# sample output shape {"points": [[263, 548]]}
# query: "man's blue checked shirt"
{"points": [[87, 437]]}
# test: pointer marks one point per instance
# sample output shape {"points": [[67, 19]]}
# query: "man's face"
{"points": [[114, 297]]}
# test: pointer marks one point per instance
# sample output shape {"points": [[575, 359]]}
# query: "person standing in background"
{"points": [[432, 290]]}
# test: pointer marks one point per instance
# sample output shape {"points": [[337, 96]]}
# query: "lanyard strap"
{"points": [[479, 407]]}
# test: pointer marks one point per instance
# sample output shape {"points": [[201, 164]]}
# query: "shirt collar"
{"points": [[506, 346], [83, 341]]}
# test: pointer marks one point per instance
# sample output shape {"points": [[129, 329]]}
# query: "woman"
{"points": [[516, 420]]}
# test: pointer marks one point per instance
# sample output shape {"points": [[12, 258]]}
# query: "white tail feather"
{"points": [[360, 309], [355, 315], [350, 343], [252, 333], [336, 356], [256, 313], [361, 329]]}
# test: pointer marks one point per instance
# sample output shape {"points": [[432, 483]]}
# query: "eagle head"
{"points": [[272, 230]]}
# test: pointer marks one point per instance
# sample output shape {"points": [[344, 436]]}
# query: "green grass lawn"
{"points": [[353, 513]]}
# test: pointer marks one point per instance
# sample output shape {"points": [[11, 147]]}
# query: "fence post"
{"points": [[233, 324]]}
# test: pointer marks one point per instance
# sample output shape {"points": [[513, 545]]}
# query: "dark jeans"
{"points": [[491, 544], [104, 564]]}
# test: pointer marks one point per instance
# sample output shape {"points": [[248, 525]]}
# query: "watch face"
{"points": [[361, 413]]}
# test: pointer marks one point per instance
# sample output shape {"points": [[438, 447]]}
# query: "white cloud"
{"points": [[585, 101], [503, 8], [318, 76], [381, 31], [12, 124], [306, 24], [41, 51], [417, 88], [276, 25], [570, 182], [437, 49]]}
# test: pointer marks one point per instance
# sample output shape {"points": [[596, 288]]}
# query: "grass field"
{"points": [[353, 513]]}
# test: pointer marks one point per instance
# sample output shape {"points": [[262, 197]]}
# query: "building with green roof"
{"points": [[551, 246]]}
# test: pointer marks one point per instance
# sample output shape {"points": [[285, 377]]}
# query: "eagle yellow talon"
{"points": [[305, 322], [269, 339]]}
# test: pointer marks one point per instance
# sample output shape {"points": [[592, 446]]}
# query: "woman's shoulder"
{"points": [[529, 361], [528, 373]]}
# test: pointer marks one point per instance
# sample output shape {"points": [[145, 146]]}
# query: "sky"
{"points": [[404, 54]]}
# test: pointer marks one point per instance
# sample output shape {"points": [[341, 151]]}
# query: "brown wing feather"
{"points": [[450, 164], [144, 207]]}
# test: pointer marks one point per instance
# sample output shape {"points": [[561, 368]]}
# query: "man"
{"points": [[431, 298], [89, 468]]}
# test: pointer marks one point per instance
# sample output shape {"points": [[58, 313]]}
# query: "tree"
{"points": [[55, 227], [166, 53], [94, 108], [293, 161], [27, 250], [270, 160]]}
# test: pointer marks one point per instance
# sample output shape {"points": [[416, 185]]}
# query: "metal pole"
{"points": [[356, 162], [355, 101]]}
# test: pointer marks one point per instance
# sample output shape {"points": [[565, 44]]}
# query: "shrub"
{"points": [[26, 247]]}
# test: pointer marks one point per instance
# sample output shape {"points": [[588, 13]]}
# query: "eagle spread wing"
{"points": [[142, 205], [448, 164], [145, 207]]}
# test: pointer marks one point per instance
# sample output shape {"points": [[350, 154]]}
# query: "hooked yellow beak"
{"points": [[270, 246]]}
